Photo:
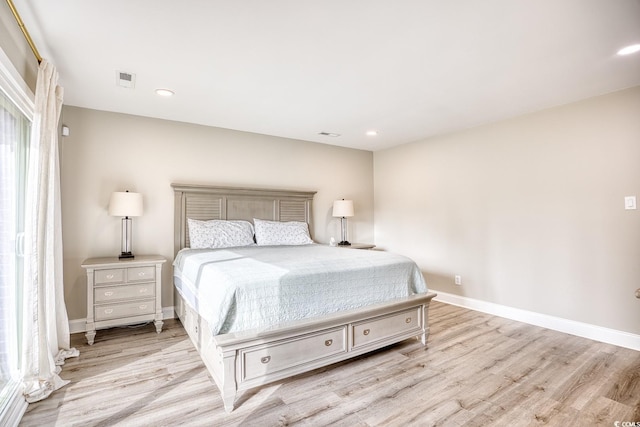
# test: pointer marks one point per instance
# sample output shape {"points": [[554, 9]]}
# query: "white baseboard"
{"points": [[77, 326], [169, 312], [584, 330]]}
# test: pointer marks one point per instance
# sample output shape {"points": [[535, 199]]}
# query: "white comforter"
{"points": [[251, 287]]}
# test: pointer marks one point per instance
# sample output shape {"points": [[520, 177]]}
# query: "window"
{"points": [[14, 142]]}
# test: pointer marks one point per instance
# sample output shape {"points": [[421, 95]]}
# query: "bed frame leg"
{"points": [[228, 403], [425, 336], [425, 323], [229, 387]]}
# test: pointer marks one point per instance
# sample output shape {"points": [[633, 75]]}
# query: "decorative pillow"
{"points": [[281, 233], [219, 233]]}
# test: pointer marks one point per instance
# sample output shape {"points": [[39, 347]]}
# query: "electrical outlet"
{"points": [[630, 202], [458, 280]]}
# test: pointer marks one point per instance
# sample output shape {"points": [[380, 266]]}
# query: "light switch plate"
{"points": [[630, 202]]}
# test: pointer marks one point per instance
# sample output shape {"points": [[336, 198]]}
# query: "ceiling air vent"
{"points": [[124, 79]]}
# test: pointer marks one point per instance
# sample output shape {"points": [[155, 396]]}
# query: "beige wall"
{"points": [[16, 48], [528, 211], [109, 152]]}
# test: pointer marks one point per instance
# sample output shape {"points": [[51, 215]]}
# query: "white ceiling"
{"points": [[294, 68]]}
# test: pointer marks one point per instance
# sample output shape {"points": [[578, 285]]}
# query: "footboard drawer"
{"points": [[384, 327], [268, 359]]}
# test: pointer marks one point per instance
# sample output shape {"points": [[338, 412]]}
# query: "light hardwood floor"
{"points": [[478, 370]]}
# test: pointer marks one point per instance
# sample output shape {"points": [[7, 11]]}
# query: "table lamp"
{"points": [[126, 205], [343, 209]]}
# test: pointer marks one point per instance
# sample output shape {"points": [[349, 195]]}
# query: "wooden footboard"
{"points": [[241, 361]]}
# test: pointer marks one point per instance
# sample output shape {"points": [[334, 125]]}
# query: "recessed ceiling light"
{"points": [[332, 135], [164, 92], [628, 50], [372, 132]]}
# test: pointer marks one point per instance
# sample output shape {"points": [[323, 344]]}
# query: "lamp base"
{"points": [[125, 255], [344, 243]]}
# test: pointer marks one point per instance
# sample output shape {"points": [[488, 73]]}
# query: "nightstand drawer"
{"points": [[115, 275], [141, 274], [115, 293], [128, 309]]}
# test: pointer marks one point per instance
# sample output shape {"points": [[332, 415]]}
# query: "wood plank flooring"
{"points": [[478, 370]]}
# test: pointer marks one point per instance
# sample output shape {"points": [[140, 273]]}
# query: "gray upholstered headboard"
{"points": [[204, 202]]}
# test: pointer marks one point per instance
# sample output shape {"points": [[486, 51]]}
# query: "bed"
{"points": [[244, 352]]}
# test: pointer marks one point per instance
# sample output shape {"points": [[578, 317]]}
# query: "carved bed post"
{"points": [[229, 387], [425, 323]]}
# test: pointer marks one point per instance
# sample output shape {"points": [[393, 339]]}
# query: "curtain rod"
{"points": [[16, 15]]}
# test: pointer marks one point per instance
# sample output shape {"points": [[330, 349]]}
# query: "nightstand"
{"points": [[359, 246], [123, 292]]}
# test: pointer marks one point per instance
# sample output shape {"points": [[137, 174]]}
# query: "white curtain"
{"points": [[45, 338]]}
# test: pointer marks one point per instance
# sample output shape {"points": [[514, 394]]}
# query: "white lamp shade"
{"points": [[343, 208], [125, 204]]}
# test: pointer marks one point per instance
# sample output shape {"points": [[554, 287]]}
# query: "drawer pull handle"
{"points": [[110, 276], [407, 320], [143, 290], [141, 274], [142, 306], [265, 359], [108, 310], [108, 293], [328, 342], [366, 332]]}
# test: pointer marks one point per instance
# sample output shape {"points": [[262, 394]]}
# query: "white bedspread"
{"points": [[251, 287]]}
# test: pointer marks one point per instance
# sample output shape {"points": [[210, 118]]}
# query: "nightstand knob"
{"points": [[110, 276], [265, 359], [142, 306], [141, 274], [108, 310], [108, 293], [143, 290], [407, 320], [328, 342], [366, 332]]}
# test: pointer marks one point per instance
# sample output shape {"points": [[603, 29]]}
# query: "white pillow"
{"points": [[281, 233], [219, 233]]}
